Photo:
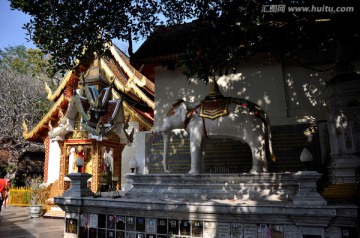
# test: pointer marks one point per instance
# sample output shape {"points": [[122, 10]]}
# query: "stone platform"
{"points": [[260, 187], [209, 206]]}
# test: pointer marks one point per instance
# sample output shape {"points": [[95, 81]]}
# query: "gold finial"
{"points": [[24, 126], [214, 91]]}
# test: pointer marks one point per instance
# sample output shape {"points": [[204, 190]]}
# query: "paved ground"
{"points": [[15, 222]]}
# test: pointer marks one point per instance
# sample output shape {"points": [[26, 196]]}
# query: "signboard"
{"points": [[197, 228], [185, 228], [150, 225], [237, 230], [250, 231], [223, 230], [209, 229]]}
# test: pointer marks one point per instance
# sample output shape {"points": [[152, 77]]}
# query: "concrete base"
{"points": [[210, 206], [203, 187]]}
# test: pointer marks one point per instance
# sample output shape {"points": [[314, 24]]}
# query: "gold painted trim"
{"points": [[128, 86], [52, 96], [133, 113], [136, 117]]}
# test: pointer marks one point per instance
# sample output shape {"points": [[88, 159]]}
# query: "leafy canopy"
{"points": [[227, 31], [22, 74]]}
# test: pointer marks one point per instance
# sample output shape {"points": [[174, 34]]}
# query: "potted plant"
{"points": [[39, 193]]}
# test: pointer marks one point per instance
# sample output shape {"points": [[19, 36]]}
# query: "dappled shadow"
{"points": [[16, 222]]}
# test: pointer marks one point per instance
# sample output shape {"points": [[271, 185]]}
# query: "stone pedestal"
{"points": [[344, 131], [78, 186], [73, 203], [307, 194]]}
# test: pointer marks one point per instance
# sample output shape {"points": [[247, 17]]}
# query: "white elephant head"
{"points": [[175, 117]]}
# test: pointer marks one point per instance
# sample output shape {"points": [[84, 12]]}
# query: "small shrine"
{"points": [[94, 117], [97, 125]]}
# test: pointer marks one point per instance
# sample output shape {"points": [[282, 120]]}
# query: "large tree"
{"points": [[226, 32], [23, 97]]}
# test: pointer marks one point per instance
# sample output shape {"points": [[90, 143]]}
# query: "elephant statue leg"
{"points": [[259, 163], [166, 151], [196, 149]]}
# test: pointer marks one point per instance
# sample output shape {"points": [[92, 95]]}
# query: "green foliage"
{"points": [[26, 197], [23, 73], [226, 33], [39, 192], [22, 61]]}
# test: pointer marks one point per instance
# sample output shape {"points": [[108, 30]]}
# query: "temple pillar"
{"points": [[63, 165], [97, 168], [117, 166], [344, 131], [46, 164]]}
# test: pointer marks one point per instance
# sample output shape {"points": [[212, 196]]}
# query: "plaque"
{"points": [[84, 220], [263, 231], [120, 223], [111, 221], [250, 230], [140, 224], [92, 233], [185, 228], [173, 227], [333, 232], [93, 220], [292, 231], [120, 234], [179, 154], [71, 225], [288, 141], [83, 232], [130, 224], [150, 225], [223, 230], [102, 221], [161, 226], [209, 229], [197, 228], [235, 156], [236, 230], [110, 234], [101, 233], [130, 235]]}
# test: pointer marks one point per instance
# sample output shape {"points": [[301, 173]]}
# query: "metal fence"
{"points": [[19, 196]]}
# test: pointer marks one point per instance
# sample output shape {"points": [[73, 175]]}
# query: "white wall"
{"points": [[54, 161], [289, 94], [128, 153]]}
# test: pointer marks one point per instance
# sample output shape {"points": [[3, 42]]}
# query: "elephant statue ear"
{"points": [[177, 103], [191, 105]]}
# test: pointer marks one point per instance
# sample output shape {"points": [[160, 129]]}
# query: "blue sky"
{"points": [[11, 22], [12, 34]]}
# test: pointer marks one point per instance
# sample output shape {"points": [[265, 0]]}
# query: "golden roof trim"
{"points": [[53, 95], [43, 121], [147, 125], [128, 86]]}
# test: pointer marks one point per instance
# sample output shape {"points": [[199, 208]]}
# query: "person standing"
{"points": [[3, 189]]}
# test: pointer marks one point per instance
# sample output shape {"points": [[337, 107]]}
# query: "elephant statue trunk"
{"points": [[166, 136]]}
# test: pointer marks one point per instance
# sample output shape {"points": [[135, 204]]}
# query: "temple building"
{"points": [[95, 114]]}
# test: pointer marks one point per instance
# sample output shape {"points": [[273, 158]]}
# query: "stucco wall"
{"points": [[289, 93], [54, 162]]}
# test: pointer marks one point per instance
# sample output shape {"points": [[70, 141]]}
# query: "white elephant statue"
{"points": [[237, 119]]}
